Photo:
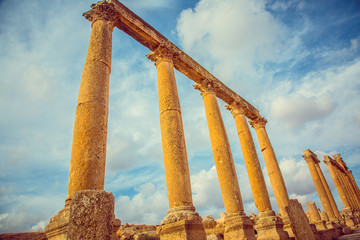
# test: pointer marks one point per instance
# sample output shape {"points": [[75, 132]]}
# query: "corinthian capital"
{"points": [[309, 156], [205, 87], [235, 109], [259, 122], [327, 160], [162, 53], [102, 10]]}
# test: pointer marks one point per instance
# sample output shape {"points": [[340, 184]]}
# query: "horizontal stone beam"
{"points": [[145, 34]]}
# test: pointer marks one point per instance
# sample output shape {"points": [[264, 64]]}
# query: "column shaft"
{"points": [[222, 155], [272, 166], [172, 133], [311, 158], [256, 178], [313, 211], [352, 189], [328, 191], [347, 189], [87, 166], [337, 181]]}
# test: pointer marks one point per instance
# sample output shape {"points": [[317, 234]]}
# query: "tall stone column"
{"points": [[256, 178], [347, 188], [312, 160], [272, 165], [182, 220], [237, 225], [347, 211], [328, 191], [338, 184], [87, 165]]}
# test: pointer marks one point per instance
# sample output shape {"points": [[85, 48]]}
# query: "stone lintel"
{"points": [[141, 31], [309, 156]]}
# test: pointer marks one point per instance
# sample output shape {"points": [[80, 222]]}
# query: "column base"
{"points": [[57, 229], [270, 227], [287, 227], [320, 225], [238, 226], [182, 223]]}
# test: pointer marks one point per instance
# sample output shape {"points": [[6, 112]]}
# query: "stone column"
{"points": [[87, 165], [182, 218], [315, 216], [256, 178], [328, 191], [312, 160], [338, 184], [225, 168], [347, 212], [353, 182], [349, 193], [272, 165]]}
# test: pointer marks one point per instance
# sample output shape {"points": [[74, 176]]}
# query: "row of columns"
{"points": [[344, 183], [346, 186], [87, 166]]}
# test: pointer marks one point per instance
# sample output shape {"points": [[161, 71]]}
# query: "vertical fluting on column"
{"points": [[256, 177], [337, 181], [312, 160], [328, 191], [272, 165], [87, 166], [237, 225], [181, 220]]}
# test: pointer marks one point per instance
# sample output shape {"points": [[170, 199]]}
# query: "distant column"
{"points": [[87, 165], [312, 160], [315, 216], [225, 167], [328, 191], [351, 177], [174, 152]]}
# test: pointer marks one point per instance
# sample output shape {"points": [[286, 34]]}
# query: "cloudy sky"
{"points": [[296, 61]]}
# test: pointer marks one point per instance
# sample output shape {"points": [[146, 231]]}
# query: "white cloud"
{"points": [[295, 110], [148, 206]]}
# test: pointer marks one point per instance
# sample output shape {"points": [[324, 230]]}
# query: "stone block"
{"points": [[299, 221], [270, 226], [91, 215], [238, 227]]}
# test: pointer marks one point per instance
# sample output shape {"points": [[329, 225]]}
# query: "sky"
{"points": [[297, 62]]}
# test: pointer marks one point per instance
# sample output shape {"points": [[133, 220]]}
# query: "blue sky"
{"points": [[296, 61]]}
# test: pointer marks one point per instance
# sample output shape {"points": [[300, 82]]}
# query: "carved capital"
{"points": [[162, 53], [309, 156], [101, 11], [235, 109], [259, 122], [205, 87], [327, 160]]}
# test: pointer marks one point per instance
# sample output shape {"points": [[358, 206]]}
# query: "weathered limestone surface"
{"points": [[182, 222], [328, 191], [138, 232], [272, 166], [91, 215], [270, 226], [256, 177], [237, 225], [301, 227], [87, 165], [315, 217]]}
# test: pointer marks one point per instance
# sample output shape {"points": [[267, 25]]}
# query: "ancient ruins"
{"points": [[89, 210]]}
